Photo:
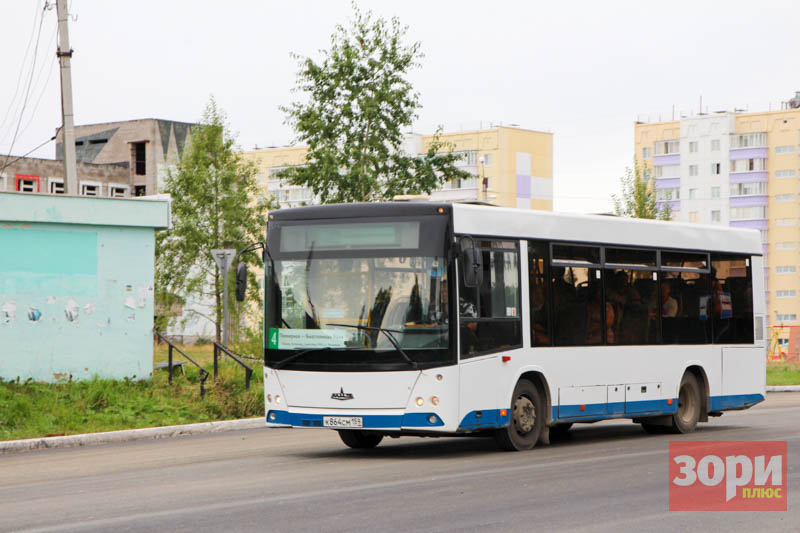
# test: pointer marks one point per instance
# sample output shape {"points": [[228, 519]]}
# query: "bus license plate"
{"points": [[342, 421]]}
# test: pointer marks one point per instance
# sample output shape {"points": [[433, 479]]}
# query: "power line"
{"points": [[8, 163], [30, 81], [21, 71], [46, 83]]}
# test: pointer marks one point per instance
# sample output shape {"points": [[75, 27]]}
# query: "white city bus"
{"points": [[450, 319]]}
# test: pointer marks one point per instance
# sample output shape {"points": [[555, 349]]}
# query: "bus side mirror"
{"points": [[473, 267], [241, 281]]}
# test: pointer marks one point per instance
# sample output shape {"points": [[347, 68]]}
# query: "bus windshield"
{"points": [[358, 295]]}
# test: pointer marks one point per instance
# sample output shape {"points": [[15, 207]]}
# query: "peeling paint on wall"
{"points": [[89, 308], [34, 315], [9, 312], [71, 311]]}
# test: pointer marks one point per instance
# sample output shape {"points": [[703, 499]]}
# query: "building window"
{"points": [[667, 171], [646, 153], [139, 190], [490, 314], [716, 216], [785, 245], [784, 173], [746, 189], [714, 192], [715, 145], [692, 146], [3, 182], [117, 191], [139, 158], [693, 217], [764, 236], [667, 147], [692, 194], [89, 188], [748, 140], [27, 183], [749, 213], [784, 197], [666, 195], [693, 170], [788, 149], [785, 269], [487, 160], [748, 165], [716, 169], [55, 185], [468, 158], [786, 318], [785, 294], [784, 222]]}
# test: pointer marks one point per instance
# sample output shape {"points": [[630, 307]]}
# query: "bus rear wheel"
{"points": [[360, 439], [689, 406], [527, 419]]}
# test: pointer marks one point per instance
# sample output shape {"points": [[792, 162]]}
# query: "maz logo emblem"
{"points": [[341, 395]]}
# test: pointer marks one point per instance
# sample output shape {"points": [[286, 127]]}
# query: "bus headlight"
{"points": [[420, 401], [272, 417], [435, 400], [269, 398], [278, 398]]}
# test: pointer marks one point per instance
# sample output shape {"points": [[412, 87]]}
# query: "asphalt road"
{"points": [[607, 476]]}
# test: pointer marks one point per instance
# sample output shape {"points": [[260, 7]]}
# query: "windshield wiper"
{"points": [[388, 333], [298, 354]]}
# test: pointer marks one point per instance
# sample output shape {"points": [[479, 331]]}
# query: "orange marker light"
{"points": [[669, 402], [441, 210], [503, 412], [583, 407], [506, 358]]}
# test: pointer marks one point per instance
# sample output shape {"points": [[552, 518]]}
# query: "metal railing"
{"points": [[218, 349], [203, 371]]}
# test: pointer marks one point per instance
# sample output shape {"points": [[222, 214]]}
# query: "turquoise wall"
{"points": [[77, 299]]}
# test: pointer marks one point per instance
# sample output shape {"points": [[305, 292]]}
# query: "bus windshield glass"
{"points": [[368, 296]]}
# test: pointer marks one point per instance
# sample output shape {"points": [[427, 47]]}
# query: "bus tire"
{"points": [[527, 419], [360, 439], [689, 405]]}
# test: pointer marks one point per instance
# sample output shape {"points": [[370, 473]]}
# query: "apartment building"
{"points": [[511, 167], [737, 169]]}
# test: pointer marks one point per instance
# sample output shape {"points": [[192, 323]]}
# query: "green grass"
{"points": [[29, 409], [783, 374]]}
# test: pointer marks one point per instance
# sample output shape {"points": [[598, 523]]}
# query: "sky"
{"points": [[585, 71]]}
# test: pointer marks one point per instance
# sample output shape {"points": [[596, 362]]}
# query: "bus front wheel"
{"points": [[360, 439], [527, 419]]}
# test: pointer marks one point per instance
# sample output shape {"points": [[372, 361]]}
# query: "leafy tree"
{"points": [[357, 103], [638, 198], [213, 190]]}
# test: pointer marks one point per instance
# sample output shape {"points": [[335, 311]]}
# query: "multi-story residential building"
{"points": [[512, 167], [147, 147], [739, 169], [46, 176]]}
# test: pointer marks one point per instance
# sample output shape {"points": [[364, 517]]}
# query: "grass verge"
{"points": [[783, 374], [29, 409]]}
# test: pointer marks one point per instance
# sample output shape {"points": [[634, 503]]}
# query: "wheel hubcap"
{"points": [[524, 415]]}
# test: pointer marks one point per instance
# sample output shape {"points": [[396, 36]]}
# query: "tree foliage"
{"points": [[213, 193], [638, 197], [357, 102]]}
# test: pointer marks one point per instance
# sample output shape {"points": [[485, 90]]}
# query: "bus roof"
{"points": [[502, 221]]}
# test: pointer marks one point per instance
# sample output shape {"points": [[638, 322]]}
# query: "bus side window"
{"points": [[490, 314], [579, 313], [539, 283], [731, 298]]}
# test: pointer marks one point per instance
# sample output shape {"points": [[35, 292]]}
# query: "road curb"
{"points": [[783, 388], [126, 435]]}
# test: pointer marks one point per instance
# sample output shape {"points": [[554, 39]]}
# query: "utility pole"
{"points": [[64, 53]]}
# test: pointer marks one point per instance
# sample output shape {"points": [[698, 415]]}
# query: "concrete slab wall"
{"points": [[76, 286]]}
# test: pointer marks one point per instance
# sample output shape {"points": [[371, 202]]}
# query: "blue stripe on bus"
{"points": [[408, 420], [487, 418], [735, 401]]}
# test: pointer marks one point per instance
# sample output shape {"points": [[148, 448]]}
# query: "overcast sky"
{"points": [[582, 70]]}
